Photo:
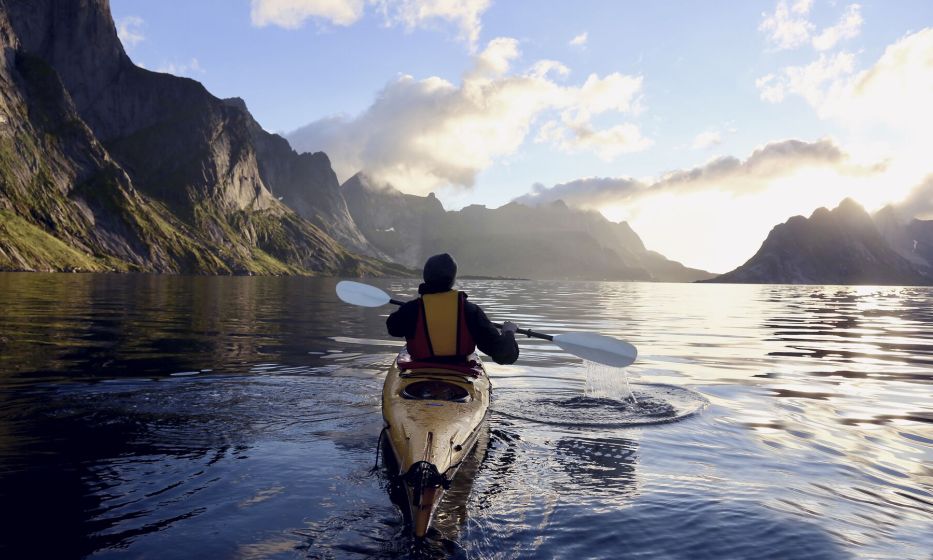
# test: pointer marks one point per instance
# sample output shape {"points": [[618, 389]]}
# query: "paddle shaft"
{"points": [[527, 332]]}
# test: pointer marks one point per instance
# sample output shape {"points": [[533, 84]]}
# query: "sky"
{"points": [[702, 124]]}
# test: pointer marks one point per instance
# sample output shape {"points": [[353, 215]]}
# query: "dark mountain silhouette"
{"points": [[108, 166], [840, 246], [546, 242], [911, 238]]}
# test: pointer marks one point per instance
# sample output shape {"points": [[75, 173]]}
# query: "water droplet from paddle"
{"points": [[607, 382]]}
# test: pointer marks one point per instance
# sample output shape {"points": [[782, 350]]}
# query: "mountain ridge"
{"points": [[844, 245], [514, 240]]}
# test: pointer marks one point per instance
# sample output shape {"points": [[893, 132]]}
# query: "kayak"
{"points": [[433, 416]]}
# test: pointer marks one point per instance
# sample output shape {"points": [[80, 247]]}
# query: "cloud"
{"points": [[919, 203], [496, 59], [465, 15], [130, 30], [579, 40], [723, 174], [848, 28], [422, 134], [292, 14], [706, 139], [789, 26], [190, 68], [895, 92], [810, 81], [608, 144]]}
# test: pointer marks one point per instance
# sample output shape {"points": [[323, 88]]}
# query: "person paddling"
{"points": [[442, 326]]}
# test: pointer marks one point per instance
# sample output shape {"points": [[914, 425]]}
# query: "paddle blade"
{"points": [[597, 348], [365, 295]]}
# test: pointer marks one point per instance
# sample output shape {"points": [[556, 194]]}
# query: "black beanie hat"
{"points": [[440, 271]]}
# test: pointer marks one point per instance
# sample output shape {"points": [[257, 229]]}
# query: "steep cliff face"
{"points": [[400, 225], [547, 242], [306, 183], [64, 203], [839, 246], [112, 166]]}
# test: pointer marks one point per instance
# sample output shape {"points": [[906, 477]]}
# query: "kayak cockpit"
{"points": [[436, 390]]}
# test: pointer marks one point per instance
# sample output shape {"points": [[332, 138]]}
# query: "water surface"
{"points": [[177, 417]]}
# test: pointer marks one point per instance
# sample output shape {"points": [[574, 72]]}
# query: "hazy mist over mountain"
{"points": [[551, 241]]}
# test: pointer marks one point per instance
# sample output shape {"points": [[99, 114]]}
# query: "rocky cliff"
{"points": [[911, 238], [547, 242], [839, 246], [107, 166]]}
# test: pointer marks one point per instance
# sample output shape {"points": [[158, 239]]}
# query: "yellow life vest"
{"points": [[441, 330]]}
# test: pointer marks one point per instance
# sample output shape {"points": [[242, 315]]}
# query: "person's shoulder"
{"points": [[409, 304], [471, 308]]}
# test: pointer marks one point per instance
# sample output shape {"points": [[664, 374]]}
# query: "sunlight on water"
{"points": [[607, 382]]}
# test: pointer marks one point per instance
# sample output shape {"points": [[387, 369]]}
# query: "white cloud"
{"points": [[885, 109], [848, 28], [130, 30], [706, 139], [544, 68], [580, 40], [724, 174], [788, 27], [608, 144], [810, 81], [919, 202], [190, 68], [495, 59], [292, 14], [422, 134], [894, 93], [465, 15]]}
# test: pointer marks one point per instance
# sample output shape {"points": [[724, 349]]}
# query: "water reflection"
{"points": [[143, 325], [600, 466]]}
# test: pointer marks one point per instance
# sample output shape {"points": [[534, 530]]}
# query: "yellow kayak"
{"points": [[433, 415]]}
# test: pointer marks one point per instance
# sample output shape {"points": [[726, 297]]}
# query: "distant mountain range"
{"points": [[842, 246], [546, 242]]}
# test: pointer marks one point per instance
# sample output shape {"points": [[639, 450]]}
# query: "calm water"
{"points": [[174, 417]]}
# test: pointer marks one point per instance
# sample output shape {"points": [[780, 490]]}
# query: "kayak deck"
{"points": [[433, 415]]}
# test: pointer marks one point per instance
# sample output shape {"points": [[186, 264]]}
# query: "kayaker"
{"points": [[442, 326]]}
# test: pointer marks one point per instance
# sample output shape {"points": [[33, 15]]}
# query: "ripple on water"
{"points": [[653, 404]]}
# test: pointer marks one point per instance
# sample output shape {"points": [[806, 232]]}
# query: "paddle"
{"points": [[589, 346]]}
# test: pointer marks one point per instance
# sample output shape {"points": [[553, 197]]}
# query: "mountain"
{"points": [[108, 166], [911, 238], [546, 242], [839, 246]]}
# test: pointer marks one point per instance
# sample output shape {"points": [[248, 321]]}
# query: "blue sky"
{"points": [[687, 83]]}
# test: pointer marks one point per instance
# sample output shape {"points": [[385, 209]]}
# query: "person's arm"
{"points": [[501, 347], [402, 321]]}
